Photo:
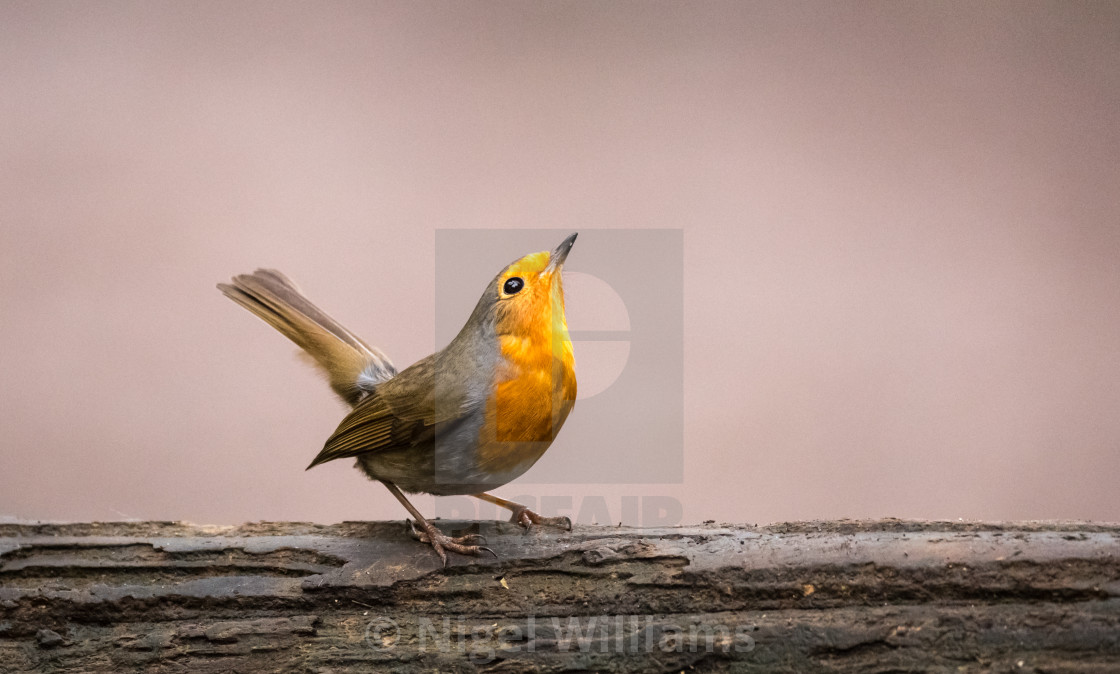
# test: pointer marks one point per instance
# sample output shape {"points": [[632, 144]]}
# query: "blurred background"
{"points": [[901, 241]]}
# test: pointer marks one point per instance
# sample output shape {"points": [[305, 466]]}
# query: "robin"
{"points": [[466, 419]]}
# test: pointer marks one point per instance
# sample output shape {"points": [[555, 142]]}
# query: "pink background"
{"points": [[901, 239]]}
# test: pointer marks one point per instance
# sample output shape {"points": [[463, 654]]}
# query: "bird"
{"points": [[466, 419]]}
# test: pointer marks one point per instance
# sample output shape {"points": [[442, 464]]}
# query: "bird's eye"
{"points": [[513, 286]]}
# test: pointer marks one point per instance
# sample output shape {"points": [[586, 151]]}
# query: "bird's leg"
{"points": [[438, 540], [525, 517]]}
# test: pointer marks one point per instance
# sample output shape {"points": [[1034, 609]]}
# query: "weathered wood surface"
{"points": [[821, 596]]}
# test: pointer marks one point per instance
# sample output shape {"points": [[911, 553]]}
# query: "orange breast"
{"points": [[532, 397]]}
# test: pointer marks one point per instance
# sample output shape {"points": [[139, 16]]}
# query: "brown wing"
{"points": [[399, 413], [370, 427]]}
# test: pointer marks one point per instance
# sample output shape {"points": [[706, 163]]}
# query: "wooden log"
{"points": [[882, 596]]}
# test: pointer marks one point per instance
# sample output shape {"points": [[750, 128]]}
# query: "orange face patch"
{"points": [[536, 390]]}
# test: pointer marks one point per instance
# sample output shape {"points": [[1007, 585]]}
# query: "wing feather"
{"points": [[400, 413]]}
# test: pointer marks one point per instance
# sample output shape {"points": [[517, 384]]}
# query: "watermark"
{"points": [[624, 302], [485, 641], [644, 510]]}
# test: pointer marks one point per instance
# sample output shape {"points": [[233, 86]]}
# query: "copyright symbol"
{"points": [[382, 634]]}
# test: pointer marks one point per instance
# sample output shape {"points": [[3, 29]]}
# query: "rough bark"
{"points": [[821, 596]]}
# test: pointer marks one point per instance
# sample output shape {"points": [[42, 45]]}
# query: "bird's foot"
{"points": [[527, 518], [464, 545]]}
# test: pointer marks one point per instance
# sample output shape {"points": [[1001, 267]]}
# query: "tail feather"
{"points": [[351, 365]]}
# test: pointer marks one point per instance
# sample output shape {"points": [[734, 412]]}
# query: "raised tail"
{"points": [[352, 366]]}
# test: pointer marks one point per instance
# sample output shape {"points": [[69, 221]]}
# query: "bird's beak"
{"points": [[557, 257]]}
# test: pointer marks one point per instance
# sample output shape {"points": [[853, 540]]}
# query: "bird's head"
{"points": [[528, 296]]}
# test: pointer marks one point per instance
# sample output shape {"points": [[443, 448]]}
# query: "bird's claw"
{"points": [[467, 544], [527, 518]]}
